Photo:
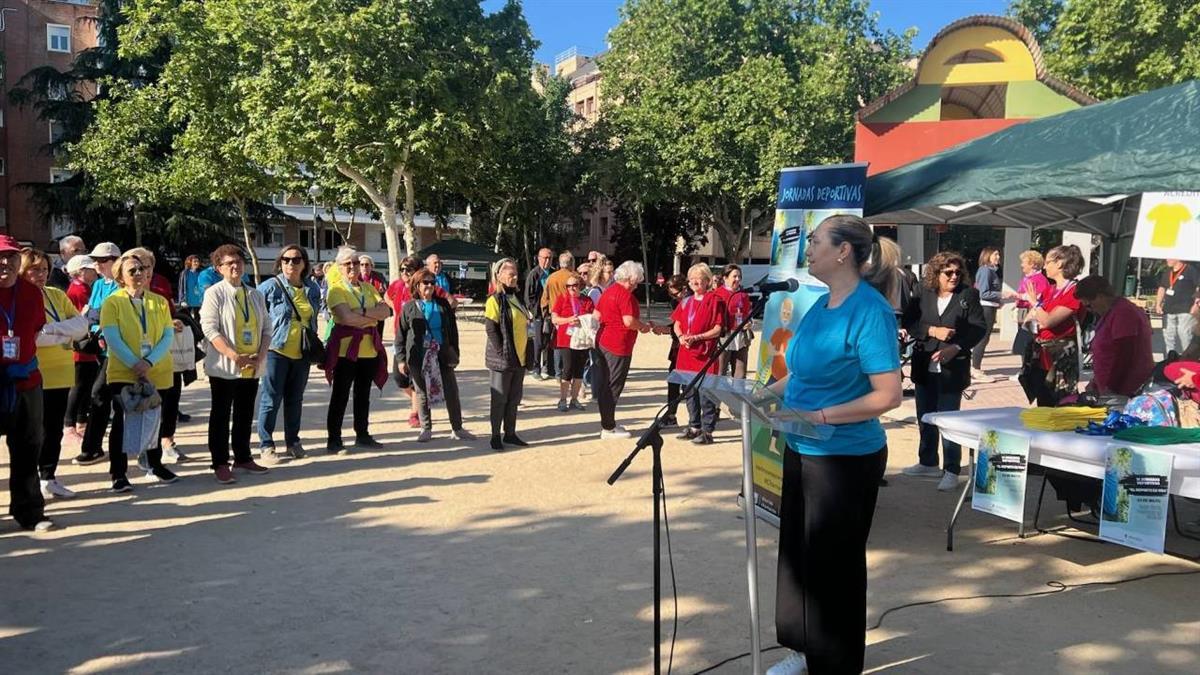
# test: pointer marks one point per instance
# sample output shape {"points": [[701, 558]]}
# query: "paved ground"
{"points": [[449, 558]]}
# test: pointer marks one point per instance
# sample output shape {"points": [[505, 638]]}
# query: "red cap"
{"points": [[8, 244]]}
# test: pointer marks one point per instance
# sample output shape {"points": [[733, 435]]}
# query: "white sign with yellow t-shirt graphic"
{"points": [[1168, 226]]}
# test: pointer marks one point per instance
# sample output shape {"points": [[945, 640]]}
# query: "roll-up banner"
{"points": [[807, 195]]}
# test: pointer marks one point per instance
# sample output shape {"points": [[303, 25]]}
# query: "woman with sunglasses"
{"points": [[427, 323], [565, 314], [138, 330], [292, 300], [399, 293], [947, 321], [54, 355], [234, 319], [355, 356]]}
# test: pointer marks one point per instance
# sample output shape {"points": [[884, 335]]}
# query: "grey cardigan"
{"points": [[217, 320]]}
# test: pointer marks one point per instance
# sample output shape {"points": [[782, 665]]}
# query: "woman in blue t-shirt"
{"points": [[843, 370]]}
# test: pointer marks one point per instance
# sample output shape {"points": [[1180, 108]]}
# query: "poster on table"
{"points": [[807, 195], [1001, 468], [1133, 504], [1168, 226]]}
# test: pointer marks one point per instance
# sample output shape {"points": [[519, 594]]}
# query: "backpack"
{"points": [[1158, 408]]}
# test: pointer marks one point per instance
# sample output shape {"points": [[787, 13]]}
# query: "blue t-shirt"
{"points": [[208, 277], [830, 359], [442, 281], [433, 316], [193, 293]]}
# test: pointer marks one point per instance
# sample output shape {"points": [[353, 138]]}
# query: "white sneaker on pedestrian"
{"points": [[616, 432], [425, 437], [922, 471], [981, 376], [794, 664], [948, 482], [52, 488]]}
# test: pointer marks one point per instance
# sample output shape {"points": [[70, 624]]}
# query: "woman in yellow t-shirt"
{"points": [[508, 352], [291, 298], [234, 319], [356, 350], [138, 332], [56, 361]]}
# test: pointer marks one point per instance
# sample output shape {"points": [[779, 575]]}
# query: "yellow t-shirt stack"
{"points": [[122, 311], [491, 310], [291, 348], [357, 298], [247, 335], [1065, 418], [57, 362]]}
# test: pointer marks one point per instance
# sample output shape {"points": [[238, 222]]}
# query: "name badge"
{"points": [[145, 349], [529, 330], [1170, 291], [570, 330], [247, 336], [10, 345]]}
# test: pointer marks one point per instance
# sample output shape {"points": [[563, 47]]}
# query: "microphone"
{"points": [[787, 286]]}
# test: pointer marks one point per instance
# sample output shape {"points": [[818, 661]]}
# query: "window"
{"points": [[306, 237], [603, 225], [274, 236], [279, 198], [3, 219], [579, 107], [1, 118], [60, 175], [383, 240], [56, 131], [591, 105], [56, 91], [58, 38], [331, 239], [3, 168]]}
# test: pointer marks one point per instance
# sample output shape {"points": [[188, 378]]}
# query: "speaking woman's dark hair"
{"points": [[940, 261], [284, 251], [846, 229]]}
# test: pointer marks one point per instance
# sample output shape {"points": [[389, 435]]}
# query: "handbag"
{"points": [[1022, 340], [311, 347]]}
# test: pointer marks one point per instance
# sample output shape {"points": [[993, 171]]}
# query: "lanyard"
{"points": [[245, 306], [10, 315], [145, 330], [1066, 287], [1174, 276], [50, 311], [362, 299], [691, 312], [575, 306]]}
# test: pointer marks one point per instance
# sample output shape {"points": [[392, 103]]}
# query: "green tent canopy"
{"points": [[1081, 170], [459, 250]]}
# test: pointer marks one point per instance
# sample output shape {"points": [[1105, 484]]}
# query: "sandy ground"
{"points": [[450, 558]]}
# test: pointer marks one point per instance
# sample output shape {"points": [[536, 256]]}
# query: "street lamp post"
{"points": [[314, 191]]}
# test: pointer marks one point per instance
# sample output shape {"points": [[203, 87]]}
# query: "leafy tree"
{"points": [[1115, 48], [712, 97]]}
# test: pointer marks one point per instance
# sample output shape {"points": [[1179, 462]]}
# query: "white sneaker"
{"points": [[52, 488], [616, 432], [981, 376], [948, 482], [922, 471], [425, 437], [794, 664]]}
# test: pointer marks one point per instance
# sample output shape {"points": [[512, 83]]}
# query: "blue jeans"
{"points": [[935, 396], [284, 381]]}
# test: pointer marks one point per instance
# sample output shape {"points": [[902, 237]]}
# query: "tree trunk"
{"points": [[137, 223], [241, 207], [500, 224], [386, 203], [410, 217], [645, 265]]}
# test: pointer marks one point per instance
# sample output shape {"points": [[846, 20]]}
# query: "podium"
{"points": [[754, 402]]}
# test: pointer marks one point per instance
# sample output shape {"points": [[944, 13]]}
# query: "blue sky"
{"points": [[562, 24]]}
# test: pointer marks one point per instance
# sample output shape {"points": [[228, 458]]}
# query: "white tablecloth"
{"points": [[1063, 450]]}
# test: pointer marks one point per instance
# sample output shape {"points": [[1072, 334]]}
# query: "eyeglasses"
{"points": [[951, 273], [572, 285], [347, 265], [233, 263], [292, 260]]}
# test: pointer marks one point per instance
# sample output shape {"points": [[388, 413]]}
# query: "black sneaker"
{"points": [[335, 448], [122, 485], [702, 439], [688, 434], [163, 474], [496, 444], [183, 417], [512, 439], [367, 442], [670, 421], [88, 458]]}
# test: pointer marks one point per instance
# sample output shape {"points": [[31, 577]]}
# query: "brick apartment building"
{"points": [[34, 33]]}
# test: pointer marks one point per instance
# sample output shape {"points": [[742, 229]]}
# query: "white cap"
{"points": [[80, 262], [106, 250]]}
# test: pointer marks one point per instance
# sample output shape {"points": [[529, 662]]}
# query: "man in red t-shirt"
{"points": [[21, 319], [620, 324]]}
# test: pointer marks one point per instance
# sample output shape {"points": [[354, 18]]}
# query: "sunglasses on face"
{"points": [[292, 260], [951, 273], [136, 270], [103, 260], [232, 263]]}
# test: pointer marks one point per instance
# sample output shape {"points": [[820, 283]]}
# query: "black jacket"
{"points": [[501, 352], [533, 292], [410, 339], [964, 314]]}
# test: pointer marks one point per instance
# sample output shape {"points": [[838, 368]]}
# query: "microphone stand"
{"points": [[653, 439]]}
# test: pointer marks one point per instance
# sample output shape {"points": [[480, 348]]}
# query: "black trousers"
{"points": [[99, 412], [611, 372], [234, 397], [824, 521], [79, 400], [449, 388], [936, 396], [170, 407], [357, 375], [989, 320], [23, 432], [673, 388], [507, 388], [54, 406], [118, 463]]}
